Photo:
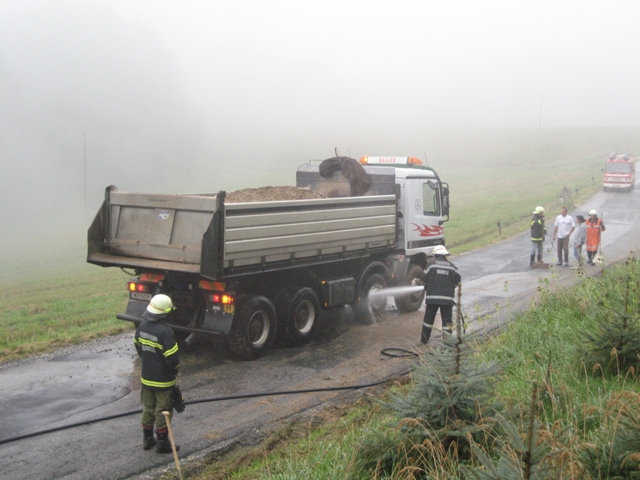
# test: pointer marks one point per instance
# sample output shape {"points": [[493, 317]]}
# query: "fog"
{"points": [[205, 96]]}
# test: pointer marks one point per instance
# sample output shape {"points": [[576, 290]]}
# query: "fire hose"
{"points": [[390, 352]]}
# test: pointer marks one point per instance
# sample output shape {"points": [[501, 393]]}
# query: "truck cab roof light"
{"points": [[390, 161]]}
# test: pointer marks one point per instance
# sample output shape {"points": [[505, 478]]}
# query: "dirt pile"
{"points": [[267, 194]]}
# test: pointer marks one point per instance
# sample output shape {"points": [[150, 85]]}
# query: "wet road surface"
{"points": [[102, 378]]}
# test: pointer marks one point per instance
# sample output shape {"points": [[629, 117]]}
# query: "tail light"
{"points": [[221, 298], [139, 287]]}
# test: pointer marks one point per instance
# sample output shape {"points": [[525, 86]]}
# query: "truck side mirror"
{"points": [[445, 201]]}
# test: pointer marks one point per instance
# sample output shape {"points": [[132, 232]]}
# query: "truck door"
{"points": [[424, 214]]}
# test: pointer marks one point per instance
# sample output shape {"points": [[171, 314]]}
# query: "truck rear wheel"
{"points": [[254, 328], [367, 309], [298, 310], [412, 302]]}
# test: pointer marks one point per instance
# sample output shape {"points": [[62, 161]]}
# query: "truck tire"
{"points": [[254, 328], [411, 303], [298, 310], [365, 311]]}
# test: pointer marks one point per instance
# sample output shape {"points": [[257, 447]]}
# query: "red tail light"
{"points": [[138, 287], [223, 298]]}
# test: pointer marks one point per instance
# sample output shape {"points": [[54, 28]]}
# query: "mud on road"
{"points": [[102, 378]]}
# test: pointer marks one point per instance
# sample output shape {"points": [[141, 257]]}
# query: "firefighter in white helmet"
{"points": [[594, 227], [441, 277], [158, 349]]}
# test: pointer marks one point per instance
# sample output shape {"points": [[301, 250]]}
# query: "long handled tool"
{"points": [[173, 443], [599, 256]]}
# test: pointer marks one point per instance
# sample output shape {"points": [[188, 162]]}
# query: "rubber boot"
{"points": [[164, 444], [148, 440], [533, 258], [539, 258]]}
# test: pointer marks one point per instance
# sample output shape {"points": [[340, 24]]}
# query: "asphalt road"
{"points": [[102, 378]]}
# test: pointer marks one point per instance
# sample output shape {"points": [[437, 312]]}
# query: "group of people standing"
{"points": [[587, 234], [441, 277]]}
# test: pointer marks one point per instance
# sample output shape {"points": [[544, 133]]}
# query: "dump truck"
{"points": [[254, 272], [619, 172]]}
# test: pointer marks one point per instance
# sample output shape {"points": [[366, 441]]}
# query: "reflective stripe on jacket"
{"points": [[440, 280], [537, 228], [158, 349]]}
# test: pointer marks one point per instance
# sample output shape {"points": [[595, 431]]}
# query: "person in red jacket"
{"points": [[156, 345], [594, 227]]}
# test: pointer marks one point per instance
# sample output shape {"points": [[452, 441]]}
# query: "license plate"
{"points": [[141, 296]]}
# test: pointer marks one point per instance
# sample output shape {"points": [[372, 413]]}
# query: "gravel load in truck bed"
{"points": [[267, 194]]}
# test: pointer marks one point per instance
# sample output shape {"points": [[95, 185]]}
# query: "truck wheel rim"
{"points": [[305, 317], [258, 329], [415, 282], [381, 302]]}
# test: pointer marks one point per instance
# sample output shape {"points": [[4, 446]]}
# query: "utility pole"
{"points": [[540, 119], [84, 143]]}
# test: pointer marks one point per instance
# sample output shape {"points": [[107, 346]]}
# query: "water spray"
{"points": [[396, 291]]}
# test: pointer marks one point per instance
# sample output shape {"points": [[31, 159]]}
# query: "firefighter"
{"points": [[441, 277], [538, 231], [594, 228], [158, 349]]}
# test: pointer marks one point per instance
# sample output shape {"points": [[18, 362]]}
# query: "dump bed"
{"points": [[200, 234]]}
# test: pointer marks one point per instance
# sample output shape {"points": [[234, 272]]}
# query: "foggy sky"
{"points": [[203, 96]]}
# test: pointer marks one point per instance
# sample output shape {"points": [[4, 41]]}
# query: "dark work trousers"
{"points": [[446, 312], [563, 246], [155, 402]]}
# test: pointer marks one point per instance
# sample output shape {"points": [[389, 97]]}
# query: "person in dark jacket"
{"points": [[441, 277], [158, 349], [538, 231]]}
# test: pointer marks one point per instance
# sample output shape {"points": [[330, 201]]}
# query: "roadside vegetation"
{"points": [[554, 395]]}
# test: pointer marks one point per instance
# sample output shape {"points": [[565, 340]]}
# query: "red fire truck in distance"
{"points": [[619, 172]]}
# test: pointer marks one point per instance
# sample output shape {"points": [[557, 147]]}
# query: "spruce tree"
{"points": [[614, 346], [450, 395]]}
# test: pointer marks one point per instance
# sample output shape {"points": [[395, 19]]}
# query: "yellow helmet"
{"points": [[539, 210], [160, 305]]}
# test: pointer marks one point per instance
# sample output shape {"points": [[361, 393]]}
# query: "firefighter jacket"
{"points": [[538, 229], [593, 234], [441, 277], [159, 352]]}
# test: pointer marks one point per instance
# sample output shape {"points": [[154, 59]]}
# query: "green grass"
{"points": [[44, 313], [503, 177]]}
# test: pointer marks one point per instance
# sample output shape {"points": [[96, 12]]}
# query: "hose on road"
{"points": [[389, 352]]}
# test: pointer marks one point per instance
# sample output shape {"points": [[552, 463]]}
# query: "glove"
{"points": [[177, 399]]}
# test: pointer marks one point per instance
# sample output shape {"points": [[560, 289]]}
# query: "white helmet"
{"points": [[160, 305], [593, 212], [539, 210], [440, 250]]}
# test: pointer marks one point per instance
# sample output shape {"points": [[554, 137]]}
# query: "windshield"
{"points": [[430, 199], [618, 167]]}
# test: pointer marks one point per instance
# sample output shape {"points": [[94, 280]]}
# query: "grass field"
{"points": [[52, 297], [45, 313]]}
